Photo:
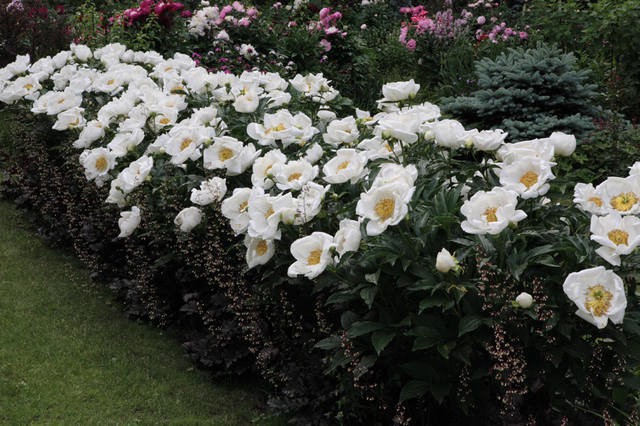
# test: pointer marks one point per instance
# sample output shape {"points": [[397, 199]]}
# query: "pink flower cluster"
{"points": [[498, 32], [328, 25], [163, 9], [444, 25], [226, 14]]}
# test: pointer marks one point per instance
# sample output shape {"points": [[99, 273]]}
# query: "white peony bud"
{"points": [[446, 262], [563, 144], [524, 300]]}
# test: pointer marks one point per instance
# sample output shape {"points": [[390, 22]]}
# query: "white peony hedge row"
{"points": [[271, 151]]}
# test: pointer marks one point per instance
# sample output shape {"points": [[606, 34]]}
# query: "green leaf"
{"points": [[440, 391], [330, 342], [363, 327], [430, 302], [380, 339], [445, 349], [425, 342], [368, 295], [469, 323], [413, 389]]}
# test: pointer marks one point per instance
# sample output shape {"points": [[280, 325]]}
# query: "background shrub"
{"points": [[529, 93]]}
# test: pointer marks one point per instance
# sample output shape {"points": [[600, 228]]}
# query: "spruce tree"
{"points": [[529, 93]]}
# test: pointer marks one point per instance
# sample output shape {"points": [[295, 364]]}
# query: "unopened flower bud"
{"points": [[524, 300], [446, 262]]}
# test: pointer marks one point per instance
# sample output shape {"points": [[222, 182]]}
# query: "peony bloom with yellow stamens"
{"points": [[236, 209], [312, 254], [621, 194], [490, 212], [617, 235], [384, 205], [259, 251], [588, 199], [527, 177], [294, 174], [347, 165], [599, 295]]}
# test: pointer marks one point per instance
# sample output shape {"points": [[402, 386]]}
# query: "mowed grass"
{"points": [[68, 356]]}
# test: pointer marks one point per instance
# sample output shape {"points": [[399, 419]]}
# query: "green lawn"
{"points": [[68, 356]]}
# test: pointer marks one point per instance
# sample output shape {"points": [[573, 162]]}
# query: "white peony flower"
{"points": [[262, 168], [341, 132], [376, 148], [384, 206], [314, 153], [621, 194], [450, 134], [616, 235], [312, 254], [348, 236], [128, 222], [527, 177], [188, 218], [231, 154], [294, 174], [185, 142], [81, 52], [599, 295], [399, 91], [402, 125], [123, 142], [97, 162], [235, 208], [564, 144], [395, 173], [446, 262], [309, 202], [490, 212], [72, 118], [259, 251], [135, 173], [488, 140], [347, 165], [210, 190], [540, 148], [266, 213], [588, 199]]}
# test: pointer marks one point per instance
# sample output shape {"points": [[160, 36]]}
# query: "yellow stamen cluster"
{"points": [[280, 127], [164, 121], [269, 213], [618, 236], [294, 176], [314, 257], [529, 179], [261, 248], [598, 300], [185, 143], [224, 154], [102, 164], [384, 208], [490, 214], [243, 206], [343, 165], [624, 201], [596, 200]]}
